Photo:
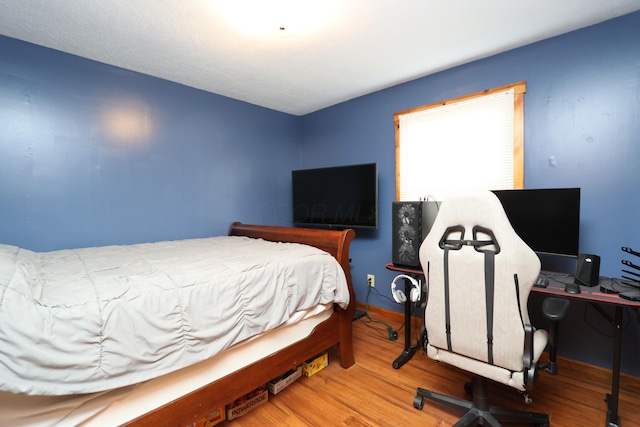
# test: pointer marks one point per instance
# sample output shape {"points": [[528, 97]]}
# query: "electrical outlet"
{"points": [[371, 280]]}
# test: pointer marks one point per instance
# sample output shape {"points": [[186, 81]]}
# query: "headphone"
{"points": [[399, 296]]}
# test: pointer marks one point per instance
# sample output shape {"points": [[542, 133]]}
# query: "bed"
{"points": [[182, 396]]}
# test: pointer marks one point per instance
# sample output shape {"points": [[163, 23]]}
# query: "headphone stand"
{"points": [[409, 348]]}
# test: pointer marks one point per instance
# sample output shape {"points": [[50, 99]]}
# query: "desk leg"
{"points": [[409, 350], [613, 420]]}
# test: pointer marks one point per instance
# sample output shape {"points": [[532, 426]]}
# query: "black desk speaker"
{"points": [[411, 223], [588, 270]]}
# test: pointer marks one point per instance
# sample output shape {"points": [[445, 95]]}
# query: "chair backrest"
{"points": [[480, 274]]}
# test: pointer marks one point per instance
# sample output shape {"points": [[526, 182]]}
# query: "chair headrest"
{"points": [[480, 216]]}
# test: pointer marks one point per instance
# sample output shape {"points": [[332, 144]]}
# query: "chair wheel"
{"points": [[468, 387], [418, 402]]}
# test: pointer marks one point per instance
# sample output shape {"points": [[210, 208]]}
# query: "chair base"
{"points": [[479, 412]]}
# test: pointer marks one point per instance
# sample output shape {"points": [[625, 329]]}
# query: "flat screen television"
{"points": [[336, 197], [548, 220]]}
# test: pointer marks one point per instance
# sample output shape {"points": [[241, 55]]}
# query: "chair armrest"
{"points": [[554, 308]]}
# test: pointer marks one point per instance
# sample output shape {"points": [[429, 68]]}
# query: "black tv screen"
{"points": [[336, 197], [548, 220]]}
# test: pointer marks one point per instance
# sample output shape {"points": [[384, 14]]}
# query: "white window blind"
{"points": [[467, 144]]}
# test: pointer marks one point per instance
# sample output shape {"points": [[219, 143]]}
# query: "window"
{"points": [[475, 141]]}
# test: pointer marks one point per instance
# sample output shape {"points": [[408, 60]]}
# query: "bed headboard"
{"points": [[333, 241]]}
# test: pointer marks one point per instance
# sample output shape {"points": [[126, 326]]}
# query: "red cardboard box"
{"points": [[214, 418]]}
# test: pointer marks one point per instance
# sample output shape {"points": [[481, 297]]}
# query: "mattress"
{"points": [[89, 320]]}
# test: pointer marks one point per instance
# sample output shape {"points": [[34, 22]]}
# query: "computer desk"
{"points": [[593, 295], [598, 298]]}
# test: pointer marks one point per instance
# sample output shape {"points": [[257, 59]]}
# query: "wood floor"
{"points": [[373, 393]]}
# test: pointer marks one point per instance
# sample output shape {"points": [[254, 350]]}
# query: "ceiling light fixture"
{"points": [[277, 18]]}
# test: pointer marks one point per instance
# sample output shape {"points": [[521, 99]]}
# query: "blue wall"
{"points": [[582, 129], [91, 154]]}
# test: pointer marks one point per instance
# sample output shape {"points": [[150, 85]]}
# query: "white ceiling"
{"points": [[330, 51]]}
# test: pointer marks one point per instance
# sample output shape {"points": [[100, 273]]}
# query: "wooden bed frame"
{"points": [[336, 330]]}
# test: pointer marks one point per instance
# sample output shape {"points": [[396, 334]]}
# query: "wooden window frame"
{"points": [[518, 137]]}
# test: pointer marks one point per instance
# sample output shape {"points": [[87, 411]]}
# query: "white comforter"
{"points": [[87, 320]]}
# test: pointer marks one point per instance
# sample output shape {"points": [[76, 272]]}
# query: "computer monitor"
{"points": [[548, 220]]}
